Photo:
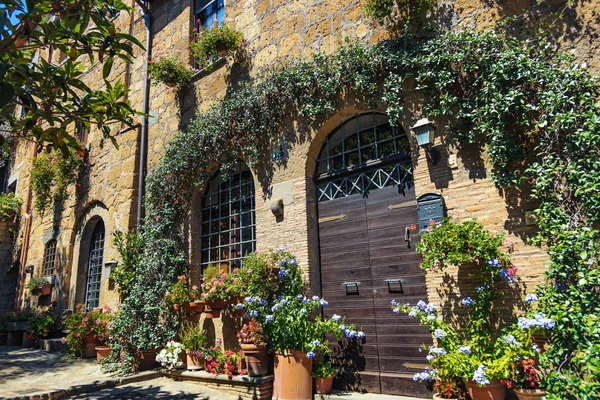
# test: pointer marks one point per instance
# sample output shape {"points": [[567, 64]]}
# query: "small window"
{"points": [[208, 13], [49, 257]]}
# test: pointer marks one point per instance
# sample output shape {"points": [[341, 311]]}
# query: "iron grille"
{"points": [[362, 182], [49, 257], [228, 220], [94, 275]]}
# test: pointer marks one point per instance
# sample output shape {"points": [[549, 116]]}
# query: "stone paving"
{"points": [[37, 374]]}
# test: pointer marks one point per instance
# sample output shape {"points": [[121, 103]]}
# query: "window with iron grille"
{"points": [[228, 220], [364, 153], [94, 272], [209, 13], [49, 257]]}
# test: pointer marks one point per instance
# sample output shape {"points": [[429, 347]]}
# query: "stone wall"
{"points": [[8, 271], [274, 31]]}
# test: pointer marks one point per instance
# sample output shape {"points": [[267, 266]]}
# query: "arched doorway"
{"points": [[95, 263], [228, 220], [367, 234]]}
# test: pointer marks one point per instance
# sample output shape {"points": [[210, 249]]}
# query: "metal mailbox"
{"points": [[430, 206]]}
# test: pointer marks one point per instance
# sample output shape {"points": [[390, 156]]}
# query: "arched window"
{"points": [[94, 270], [49, 257], [364, 153], [228, 220]]}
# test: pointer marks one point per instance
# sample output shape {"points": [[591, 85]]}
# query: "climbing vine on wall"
{"points": [[533, 110]]}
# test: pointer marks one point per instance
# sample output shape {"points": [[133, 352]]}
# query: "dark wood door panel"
{"points": [[335, 230]]}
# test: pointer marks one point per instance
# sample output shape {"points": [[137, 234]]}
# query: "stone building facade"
{"points": [[106, 198]]}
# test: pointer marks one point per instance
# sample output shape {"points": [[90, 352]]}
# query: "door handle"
{"points": [[407, 234]]}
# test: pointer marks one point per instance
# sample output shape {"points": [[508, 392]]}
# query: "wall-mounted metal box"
{"points": [[430, 206]]}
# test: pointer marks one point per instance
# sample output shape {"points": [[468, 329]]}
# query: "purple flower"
{"points": [[336, 317], [316, 343], [293, 262], [494, 263], [253, 313], [465, 350], [282, 263], [270, 318], [361, 335], [531, 298], [315, 298], [467, 301], [282, 273], [323, 303], [439, 333], [480, 377], [311, 354]]}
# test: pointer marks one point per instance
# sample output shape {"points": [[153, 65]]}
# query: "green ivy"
{"points": [[533, 111], [10, 205], [171, 71], [51, 176]]}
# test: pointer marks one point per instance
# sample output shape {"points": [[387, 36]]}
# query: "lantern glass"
{"points": [[425, 131]]}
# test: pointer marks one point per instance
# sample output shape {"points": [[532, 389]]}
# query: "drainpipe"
{"points": [[146, 109]]}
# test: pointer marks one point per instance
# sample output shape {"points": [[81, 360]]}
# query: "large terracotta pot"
{"points": [[257, 361], [293, 376], [91, 341], [213, 308], [494, 391], [530, 394], [193, 362], [145, 360], [196, 306], [102, 352], [323, 385]]}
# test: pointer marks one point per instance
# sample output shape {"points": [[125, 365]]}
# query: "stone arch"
{"points": [[84, 229]]}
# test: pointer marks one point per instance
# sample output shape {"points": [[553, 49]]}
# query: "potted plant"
{"points": [[170, 356], [218, 42], [40, 326], [193, 339], [39, 286], [254, 346], [215, 292], [102, 318], [323, 374], [170, 70], [181, 297], [219, 361]]}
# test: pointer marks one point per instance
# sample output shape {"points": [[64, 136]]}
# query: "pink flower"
{"points": [[176, 307], [98, 321], [194, 287], [181, 278], [63, 340], [167, 293]]}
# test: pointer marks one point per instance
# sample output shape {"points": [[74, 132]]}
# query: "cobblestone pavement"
{"points": [[160, 388]]}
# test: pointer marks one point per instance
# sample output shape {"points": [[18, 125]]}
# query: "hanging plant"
{"points": [[171, 71], [212, 44], [51, 175], [10, 205]]}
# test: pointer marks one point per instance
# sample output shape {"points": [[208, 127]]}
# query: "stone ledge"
{"points": [[246, 387], [91, 387]]}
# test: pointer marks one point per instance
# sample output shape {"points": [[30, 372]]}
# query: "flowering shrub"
{"points": [[41, 323], [216, 288], [171, 71], [324, 370], [169, 356], [252, 333], [180, 294], [193, 337], [219, 361], [475, 353], [209, 44], [82, 323], [286, 313]]}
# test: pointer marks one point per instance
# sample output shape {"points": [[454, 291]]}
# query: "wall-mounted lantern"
{"points": [[277, 207], [29, 269], [425, 132], [109, 266]]}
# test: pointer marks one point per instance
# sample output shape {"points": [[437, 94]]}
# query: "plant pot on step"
{"points": [[102, 352], [195, 306], [213, 308], [193, 362], [530, 394], [494, 391], [257, 361], [293, 376], [324, 385], [144, 360], [91, 341], [437, 396]]}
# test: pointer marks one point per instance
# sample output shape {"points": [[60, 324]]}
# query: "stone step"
{"points": [[53, 345], [245, 387]]}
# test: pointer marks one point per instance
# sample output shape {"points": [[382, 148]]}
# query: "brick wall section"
{"points": [[274, 31]]}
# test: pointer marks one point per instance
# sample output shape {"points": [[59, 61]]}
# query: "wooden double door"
{"points": [[368, 258]]}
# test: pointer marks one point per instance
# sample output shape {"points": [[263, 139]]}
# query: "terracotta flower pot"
{"points": [[102, 352], [42, 290], [193, 362], [323, 385], [494, 391], [145, 360], [91, 339], [293, 376], [530, 394], [257, 361], [213, 308], [196, 306]]}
